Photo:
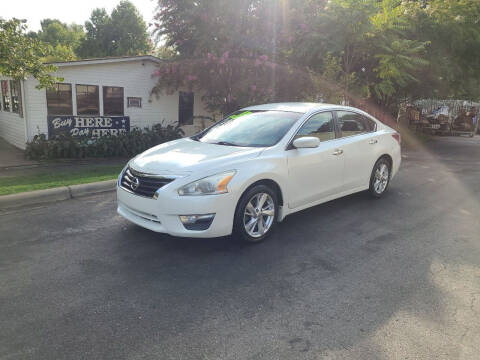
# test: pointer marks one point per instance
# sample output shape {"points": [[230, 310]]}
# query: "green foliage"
{"points": [[54, 32], [381, 51], [228, 52], [39, 178], [452, 27], [397, 64], [64, 39], [125, 145], [61, 53], [21, 55], [123, 33], [228, 83], [333, 73], [165, 53], [242, 52]]}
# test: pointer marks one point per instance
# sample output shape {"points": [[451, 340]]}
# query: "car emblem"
{"points": [[135, 183]]}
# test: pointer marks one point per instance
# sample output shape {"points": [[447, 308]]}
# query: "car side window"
{"points": [[370, 125], [351, 123], [320, 125]]}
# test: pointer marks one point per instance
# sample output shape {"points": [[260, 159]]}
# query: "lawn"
{"points": [[50, 178]]}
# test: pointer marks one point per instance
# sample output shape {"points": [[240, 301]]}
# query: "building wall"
{"points": [[12, 125], [136, 79]]}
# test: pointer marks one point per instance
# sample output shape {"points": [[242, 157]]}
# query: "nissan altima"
{"points": [[250, 170]]}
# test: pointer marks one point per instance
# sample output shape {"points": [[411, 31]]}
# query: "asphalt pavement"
{"points": [[355, 278]]}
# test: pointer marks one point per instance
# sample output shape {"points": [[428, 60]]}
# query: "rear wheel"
{"points": [[256, 214], [380, 178]]}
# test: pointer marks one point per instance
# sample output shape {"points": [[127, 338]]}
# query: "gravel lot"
{"points": [[356, 278]]}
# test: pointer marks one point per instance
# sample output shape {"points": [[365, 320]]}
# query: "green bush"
{"points": [[125, 145]]}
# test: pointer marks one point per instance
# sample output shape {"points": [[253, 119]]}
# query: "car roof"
{"points": [[300, 107]]}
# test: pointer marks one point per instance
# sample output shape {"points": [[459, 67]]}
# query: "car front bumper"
{"points": [[163, 214]]}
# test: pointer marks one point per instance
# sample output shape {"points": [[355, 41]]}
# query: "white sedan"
{"points": [[258, 165]]}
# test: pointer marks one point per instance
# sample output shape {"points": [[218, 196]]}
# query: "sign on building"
{"points": [[91, 126]]}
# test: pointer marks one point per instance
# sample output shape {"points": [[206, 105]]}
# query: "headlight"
{"points": [[212, 185], [119, 180]]}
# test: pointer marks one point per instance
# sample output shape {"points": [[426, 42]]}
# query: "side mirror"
{"points": [[306, 142]]}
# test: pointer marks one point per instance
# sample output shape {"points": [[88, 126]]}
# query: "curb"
{"points": [[55, 194]]}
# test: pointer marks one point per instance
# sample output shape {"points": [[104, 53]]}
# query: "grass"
{"points": [[46, 179]]}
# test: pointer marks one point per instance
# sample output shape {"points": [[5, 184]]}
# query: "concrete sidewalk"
{"points": [[10, 156]]}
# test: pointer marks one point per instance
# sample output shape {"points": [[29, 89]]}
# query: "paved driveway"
{"points": [[356, 278]]}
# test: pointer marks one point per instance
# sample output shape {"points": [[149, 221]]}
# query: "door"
{"points": [[315, 173], [359, 141], [185, 107]]}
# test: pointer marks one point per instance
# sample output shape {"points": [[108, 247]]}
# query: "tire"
{"points": [[251, 224], [380, 178]]}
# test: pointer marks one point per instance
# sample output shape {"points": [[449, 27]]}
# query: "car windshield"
{"points": [[250, 128]]}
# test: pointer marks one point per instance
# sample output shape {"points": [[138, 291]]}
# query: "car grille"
{"points": [[142, 184]]}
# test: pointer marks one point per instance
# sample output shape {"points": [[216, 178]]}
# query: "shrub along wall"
{"points": [[125, 145]]}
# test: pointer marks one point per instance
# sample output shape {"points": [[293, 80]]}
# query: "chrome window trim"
{"points": [[290, 142], [363, 133], [350, 136], [335, 119]]}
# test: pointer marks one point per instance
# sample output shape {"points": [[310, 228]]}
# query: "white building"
{"points": [[96, 97]]}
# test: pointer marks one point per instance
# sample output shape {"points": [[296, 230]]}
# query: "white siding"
{"points": [[136, 79], [12, 126], [36, 105]]}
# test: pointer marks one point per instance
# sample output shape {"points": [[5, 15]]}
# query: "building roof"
{"points": [[107, 60]]}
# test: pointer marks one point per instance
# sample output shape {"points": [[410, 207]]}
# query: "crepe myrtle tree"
{"points": [[21, 55], [232, 53], [229, 82]]}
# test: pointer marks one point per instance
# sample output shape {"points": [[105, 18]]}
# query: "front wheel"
{"points": [[256, 214], [380, 178]]}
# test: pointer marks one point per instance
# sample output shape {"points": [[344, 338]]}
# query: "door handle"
{"points": [[374, 141], [337, 152]]}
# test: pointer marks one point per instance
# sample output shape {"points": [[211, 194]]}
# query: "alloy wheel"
{"points": [[382, 175], [259, 215]]}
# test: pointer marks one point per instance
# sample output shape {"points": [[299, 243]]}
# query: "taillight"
{"points": [[397, 137]]}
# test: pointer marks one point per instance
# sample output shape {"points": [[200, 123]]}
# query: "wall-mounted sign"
{"points": [[134, 102], [91, 126]]}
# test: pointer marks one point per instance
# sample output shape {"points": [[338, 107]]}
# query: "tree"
{"points": [[130, 31], [65, 39], [55, 32], [401, 58], [375, 51], [229, 52], [453, 30], [123, 33], [98, 36], [165, 53], [21, 56], [228, 83]]}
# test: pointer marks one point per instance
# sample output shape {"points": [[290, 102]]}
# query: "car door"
{"points": [[315, 173], [358, 140]]}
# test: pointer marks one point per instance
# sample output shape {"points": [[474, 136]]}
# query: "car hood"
{"points": [[183, 156]]}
